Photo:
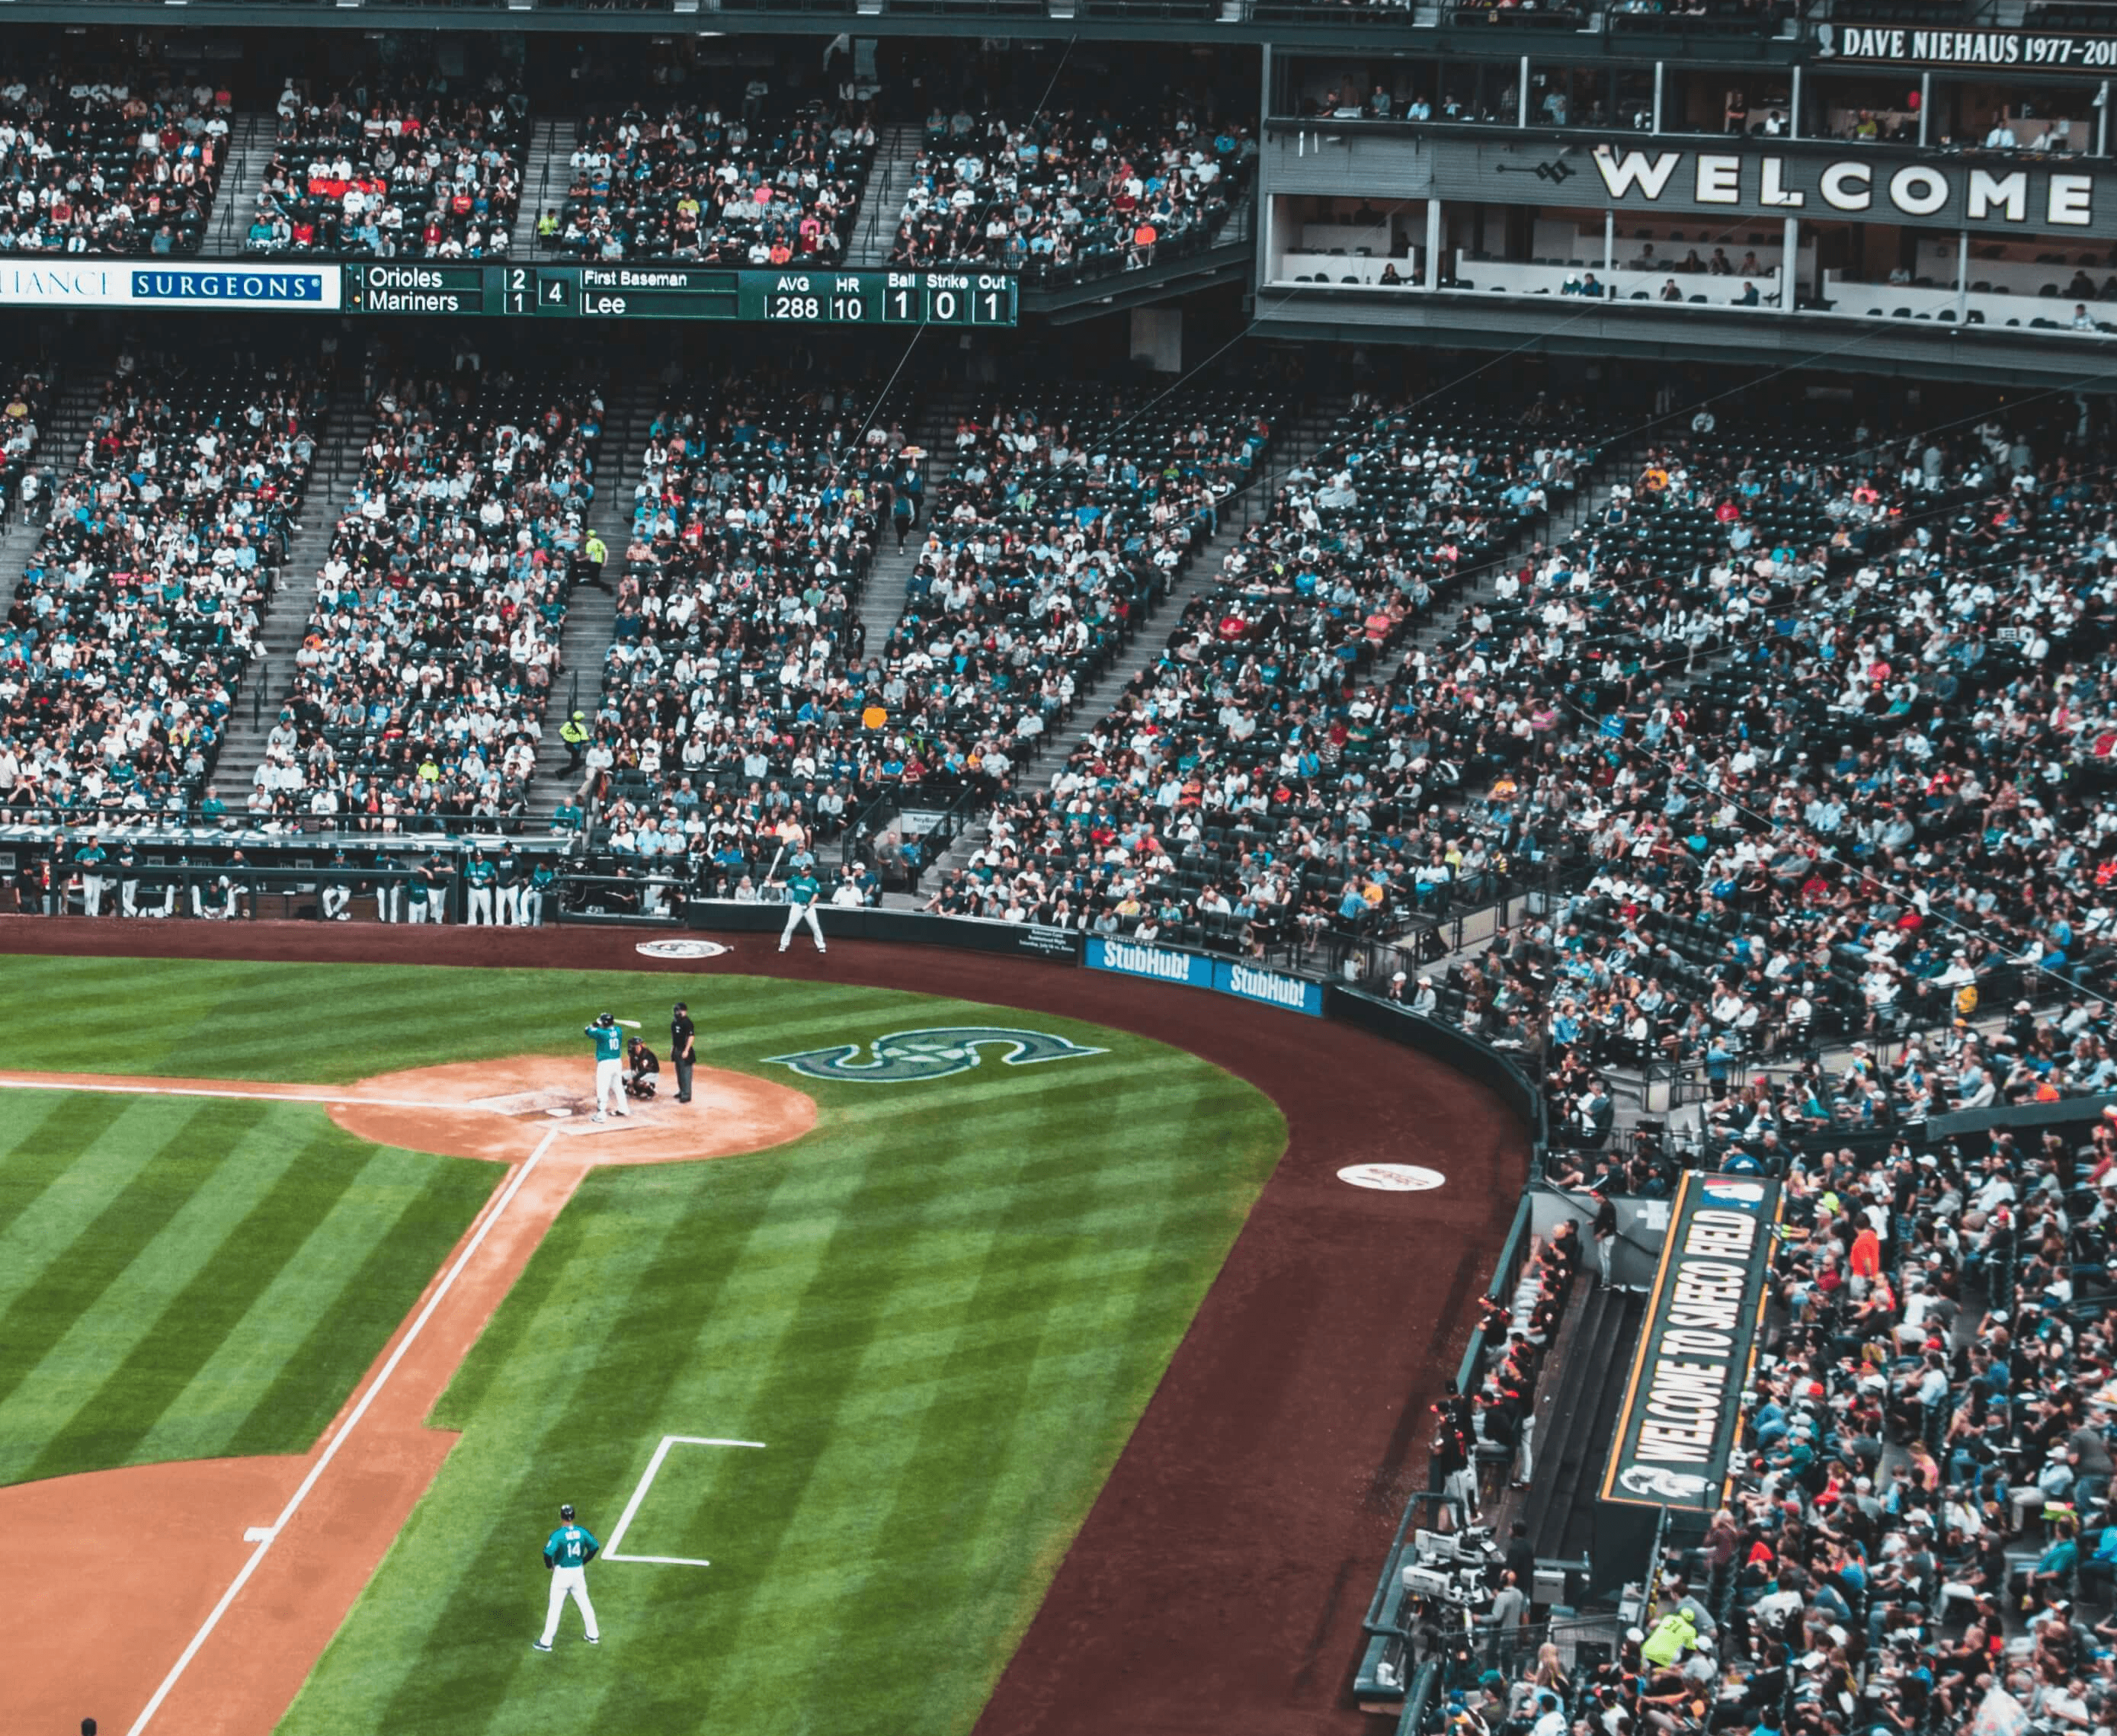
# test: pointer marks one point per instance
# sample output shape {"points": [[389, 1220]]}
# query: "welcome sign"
{"points": [[1682, 1406]]}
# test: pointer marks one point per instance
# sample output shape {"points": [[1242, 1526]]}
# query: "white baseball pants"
{"points": [[480, 906], [794, 913], [567, 1581], [610, 1088]]}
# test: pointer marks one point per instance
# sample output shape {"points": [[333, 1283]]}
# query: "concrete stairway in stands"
{"points": [[252, 138], [545, 178], [1092, 705], [59, 444], [591, 614], [888, 180], [333, 473], [882, 602]]}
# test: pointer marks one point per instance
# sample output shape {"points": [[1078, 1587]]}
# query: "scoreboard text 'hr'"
{"points": [[662, 290]]}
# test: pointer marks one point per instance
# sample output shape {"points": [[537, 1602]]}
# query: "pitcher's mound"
{"points": [[501, 1108]]}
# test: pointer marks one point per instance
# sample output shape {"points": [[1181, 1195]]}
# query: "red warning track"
{"points": [[1219, 1583]]}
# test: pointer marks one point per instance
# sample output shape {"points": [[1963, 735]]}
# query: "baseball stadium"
{"points": [[1264, 860]]}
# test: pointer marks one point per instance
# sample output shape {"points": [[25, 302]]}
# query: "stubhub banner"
{"points": [[63, 283], [1166, 964], [1275, 988], [1129, 958]]}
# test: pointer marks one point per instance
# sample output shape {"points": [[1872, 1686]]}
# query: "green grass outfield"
{"points": [[943, 1311]]}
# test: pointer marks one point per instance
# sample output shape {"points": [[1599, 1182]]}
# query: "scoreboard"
{"points": [[646, 290]]}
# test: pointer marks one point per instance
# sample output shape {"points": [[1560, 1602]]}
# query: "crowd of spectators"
{"points": [[1828, 735], [694, 184], [735, 714], [423, 676], [139, 610], [412, 175], [1262, 783], [1918, 1534], [126, 165], [1071, 193], [742, 706], [1065, 518], [22, 419]]}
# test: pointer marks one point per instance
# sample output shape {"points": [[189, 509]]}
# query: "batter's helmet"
{"points": [[566, 1512], [605, 1019]]}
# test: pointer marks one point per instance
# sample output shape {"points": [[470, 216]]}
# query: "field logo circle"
{"points": [[679, 949], [1392, 1178]]}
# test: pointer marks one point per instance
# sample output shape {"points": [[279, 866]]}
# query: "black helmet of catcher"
{"points": [[605, 1019], [566, 1512]]}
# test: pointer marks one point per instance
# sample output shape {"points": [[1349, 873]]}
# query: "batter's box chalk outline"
{"points": [[611, 1551]]}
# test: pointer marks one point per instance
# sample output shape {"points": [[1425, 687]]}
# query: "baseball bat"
{"points": [[629, 1024], [774, 868]]}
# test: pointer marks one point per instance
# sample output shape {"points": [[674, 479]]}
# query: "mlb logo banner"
{"points": [[1161, 963]]}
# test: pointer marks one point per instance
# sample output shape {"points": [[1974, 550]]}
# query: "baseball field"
{"points": [[939, 1312], [993, 1344]]}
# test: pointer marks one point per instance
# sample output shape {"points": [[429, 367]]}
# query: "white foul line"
{"points": [[129, 1089], [317, 1470], [640, 1494]]}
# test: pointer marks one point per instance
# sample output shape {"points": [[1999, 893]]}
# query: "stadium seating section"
{"points": [[429, 658], [1063, 197], [687, 183], [139, 610], [410, 176], [128, 166]]}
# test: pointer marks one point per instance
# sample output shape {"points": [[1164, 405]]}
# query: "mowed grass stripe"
{"points": [[77, 1278], [996, 1394], [244, 1020], [367, 1190], [109, 1425], [351, 1321], [63, 1158], [806, 1397]]}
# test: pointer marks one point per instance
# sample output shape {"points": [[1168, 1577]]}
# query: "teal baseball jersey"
{"points": [[570, 1546], [801, 888], [609, 1042], [481, 874]]}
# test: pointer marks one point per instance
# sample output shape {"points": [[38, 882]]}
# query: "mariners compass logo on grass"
{"points": [[931, 1054]]}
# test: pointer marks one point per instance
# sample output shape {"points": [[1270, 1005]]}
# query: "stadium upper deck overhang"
{"points": [[1188, 23], [1681, 336]]}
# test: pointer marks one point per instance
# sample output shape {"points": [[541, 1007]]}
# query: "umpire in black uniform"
{"points": [[683, 1049]]}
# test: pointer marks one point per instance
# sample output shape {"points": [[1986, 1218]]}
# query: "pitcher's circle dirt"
{"points": [[501, 1109]]}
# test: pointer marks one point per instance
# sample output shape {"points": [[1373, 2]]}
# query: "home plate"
{"points": [[581, 1126], [527, 1103]]}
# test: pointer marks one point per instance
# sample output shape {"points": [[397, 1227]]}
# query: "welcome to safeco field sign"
{"points": [[1682, 1404]]}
